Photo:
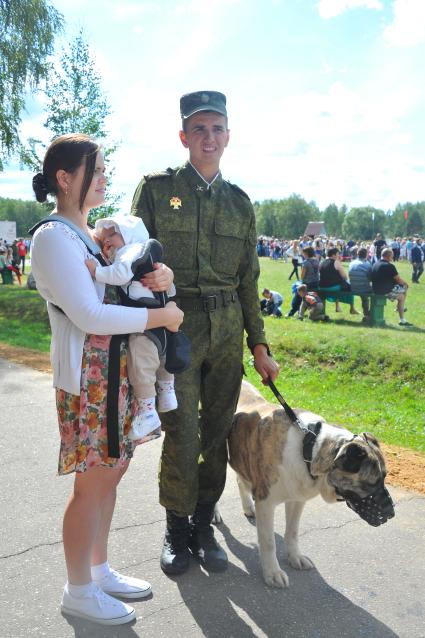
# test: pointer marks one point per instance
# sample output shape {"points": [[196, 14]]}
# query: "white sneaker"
{"points": [[144, 423], [122, 586], [167, 400], [97, 607]]}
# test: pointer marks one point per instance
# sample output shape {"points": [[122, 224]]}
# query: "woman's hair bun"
{"points": [[40, 188]]}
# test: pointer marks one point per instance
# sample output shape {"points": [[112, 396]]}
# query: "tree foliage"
{"points": [[27, 29], [24, 213], [363, 223], [76, 104], [285, 218], [415, 222]]}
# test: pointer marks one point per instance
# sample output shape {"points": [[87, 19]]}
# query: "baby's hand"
{"points": [[91, 265]]}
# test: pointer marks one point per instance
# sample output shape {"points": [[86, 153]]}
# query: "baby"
{"points": [[123, 239]]}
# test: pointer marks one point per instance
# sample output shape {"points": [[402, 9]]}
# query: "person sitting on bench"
{"points": [[386, 281], [359, 272], [333, 278]]}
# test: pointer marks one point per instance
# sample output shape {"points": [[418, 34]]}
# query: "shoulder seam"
{"points": [[158, 174], [238, 190]]}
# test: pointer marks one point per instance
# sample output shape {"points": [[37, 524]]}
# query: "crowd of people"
{"points": [[290, 250], [12, 259], [317, 264]]}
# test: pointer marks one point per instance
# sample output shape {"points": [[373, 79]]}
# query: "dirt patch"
{"points": [[406, 468], [31, 358]]}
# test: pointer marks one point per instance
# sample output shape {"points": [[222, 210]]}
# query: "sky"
{"points": [[326, 98]]}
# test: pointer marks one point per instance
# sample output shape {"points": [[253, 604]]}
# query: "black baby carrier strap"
{"points": [[114, 345]]}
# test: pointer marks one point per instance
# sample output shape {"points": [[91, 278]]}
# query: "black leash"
{"points": [[310, 431], [289, 411]]}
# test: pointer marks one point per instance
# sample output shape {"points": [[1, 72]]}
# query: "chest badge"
{"points": [[175, 202]]}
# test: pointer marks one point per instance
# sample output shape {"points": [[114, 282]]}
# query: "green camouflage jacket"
{"points": [[208, 235]]}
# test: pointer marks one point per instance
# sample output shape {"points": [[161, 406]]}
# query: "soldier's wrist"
{"points": [[264, 346]]}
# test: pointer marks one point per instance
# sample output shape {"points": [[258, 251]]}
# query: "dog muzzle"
{"points": [[375, 509]]}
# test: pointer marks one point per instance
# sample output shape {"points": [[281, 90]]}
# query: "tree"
{"points": [[27, 30], [285, 218], [24, 213], [415, 222], [76, 103], [363, 223]]}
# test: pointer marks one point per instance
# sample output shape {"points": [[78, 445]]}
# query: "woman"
{"points": [[295, 254], [333, 277], [82, 325]]}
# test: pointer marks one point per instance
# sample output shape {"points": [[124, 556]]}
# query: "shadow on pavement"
{"points": [[224, 606], [86, 629]]}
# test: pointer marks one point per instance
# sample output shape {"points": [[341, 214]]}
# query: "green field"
{"points": [[366, 378]]}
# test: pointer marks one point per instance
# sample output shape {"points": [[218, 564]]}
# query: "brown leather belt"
{"points": [[209, 303]]}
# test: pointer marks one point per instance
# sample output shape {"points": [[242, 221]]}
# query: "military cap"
{"points": [[191, 103]]}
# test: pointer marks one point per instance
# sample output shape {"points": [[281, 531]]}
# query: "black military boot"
{"points": [[202, 543], [175, 556]]}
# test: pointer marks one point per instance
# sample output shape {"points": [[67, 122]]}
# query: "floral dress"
{"points": [[83, 419]]}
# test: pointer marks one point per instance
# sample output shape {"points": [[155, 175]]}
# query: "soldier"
{"points": [[207, 228]]}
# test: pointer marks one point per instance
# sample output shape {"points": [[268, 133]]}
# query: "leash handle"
{"points": [[289, 411]]}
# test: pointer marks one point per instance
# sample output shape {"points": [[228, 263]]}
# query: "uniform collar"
{"points": [[197, 182]]}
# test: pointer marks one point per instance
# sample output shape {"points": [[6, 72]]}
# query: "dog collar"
{"points": [[308, 444]]}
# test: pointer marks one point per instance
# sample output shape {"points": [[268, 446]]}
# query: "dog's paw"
{"points": [[216, 519], [249, 510], [276, 577], [298, 561]]}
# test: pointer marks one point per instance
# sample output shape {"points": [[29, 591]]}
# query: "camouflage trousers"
{"points": [[194, 454]]}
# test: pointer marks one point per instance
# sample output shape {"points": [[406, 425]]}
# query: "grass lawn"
{"points": [[368, 379]]}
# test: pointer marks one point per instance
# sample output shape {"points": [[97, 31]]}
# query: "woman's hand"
{"points": [[160, 279], [169, 317]]}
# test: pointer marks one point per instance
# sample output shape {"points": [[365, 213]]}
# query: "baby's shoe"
{"points": [[145, 421], [167, 399]]}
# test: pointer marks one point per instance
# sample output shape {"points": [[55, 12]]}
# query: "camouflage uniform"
{"points": [[209, 240]]}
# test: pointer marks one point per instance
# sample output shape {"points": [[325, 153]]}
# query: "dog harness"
{"points": [[375, 508]]}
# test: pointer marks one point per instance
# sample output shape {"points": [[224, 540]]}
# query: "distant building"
{"points": [[315, 228]]}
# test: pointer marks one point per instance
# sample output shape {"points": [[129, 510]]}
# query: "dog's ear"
{"points": [[369, 438], [350, 457]]}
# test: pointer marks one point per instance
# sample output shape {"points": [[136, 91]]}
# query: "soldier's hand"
{"points": [[160, 279], [266, 367]]}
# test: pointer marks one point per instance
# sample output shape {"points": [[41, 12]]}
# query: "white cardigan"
{"points": [[63, 279]]}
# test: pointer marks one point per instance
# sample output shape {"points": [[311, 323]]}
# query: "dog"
{"points": [[266, 452]]}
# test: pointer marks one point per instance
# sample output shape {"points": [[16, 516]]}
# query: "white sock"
{"points": [[100, 571], [147, 405], [165, 386], [79, 591]]}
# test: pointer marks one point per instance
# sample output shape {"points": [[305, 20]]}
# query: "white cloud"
{"points": [[332, 8], [408, 26]]}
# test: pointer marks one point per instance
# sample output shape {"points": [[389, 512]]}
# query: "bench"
{"points": [[6, 275], [377, 302]]}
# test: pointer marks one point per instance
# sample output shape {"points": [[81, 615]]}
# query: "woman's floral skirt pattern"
{"points": [[82, 419]]}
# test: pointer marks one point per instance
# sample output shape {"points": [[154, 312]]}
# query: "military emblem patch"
{"points": [[175, 202]]}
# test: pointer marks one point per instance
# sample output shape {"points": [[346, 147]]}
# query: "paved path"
{"points": [[367, 582]]}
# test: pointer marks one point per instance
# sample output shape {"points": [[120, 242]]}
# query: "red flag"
{"points": [[406, 214]]}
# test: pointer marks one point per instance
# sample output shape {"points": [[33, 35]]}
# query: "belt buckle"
{"points": [[209, 303]]}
